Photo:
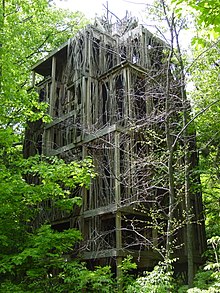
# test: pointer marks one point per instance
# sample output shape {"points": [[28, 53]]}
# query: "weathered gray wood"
{"points": [[95, 100], [33, 79], [88, 138], [147, 256], [100, 211], [60, 119], [53, 86]]}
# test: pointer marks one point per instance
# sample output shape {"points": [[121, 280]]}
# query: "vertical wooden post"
{"points": [[117, 169], [84, 106], [118, 243], [84, 200], [117, 201], [83, 120], [128, 93], [49, 132], [53, 86], [33, 79], [88, 104]]}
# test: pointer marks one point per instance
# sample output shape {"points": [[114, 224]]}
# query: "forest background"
{"points": [[28, 31]]}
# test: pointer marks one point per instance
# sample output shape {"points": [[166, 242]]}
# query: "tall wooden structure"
{"points": [[105, 90]]}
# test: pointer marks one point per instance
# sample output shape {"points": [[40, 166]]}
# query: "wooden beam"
{"points": [[33, 79], [147, 256], [48, 134], [118, 203], [53, 86], [60, 119], [118, 243], [100, 254], [100, 211], [112, 208], [117, 169], [88, 138]]}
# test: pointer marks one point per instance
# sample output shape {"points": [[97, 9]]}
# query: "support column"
{"points": [[49, 132], [84, 199], [117, 201], [117, 169], [118, 243], [33, 79], [53, 86]]}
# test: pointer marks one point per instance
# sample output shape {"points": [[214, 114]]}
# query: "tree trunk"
{"points": [[186, 138]]}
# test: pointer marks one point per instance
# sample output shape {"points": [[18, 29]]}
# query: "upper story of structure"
{"points": [[96, 49], [104, 77]]}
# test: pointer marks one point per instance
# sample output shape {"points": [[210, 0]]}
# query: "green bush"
{"points": [[160, 280]]}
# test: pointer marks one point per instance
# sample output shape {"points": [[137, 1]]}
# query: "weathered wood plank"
{"points": [[100, 211], [53, 87]]}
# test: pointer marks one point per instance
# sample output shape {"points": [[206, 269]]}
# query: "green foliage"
{"points": [[214, 242], [77, 277], [44, 253], [160, 280], [33, 254], [207, 14], [126, 278], [28, 31], [204, 76], [207, 278], [56, 175], [8, 286], [204, 73], [205, 282]]}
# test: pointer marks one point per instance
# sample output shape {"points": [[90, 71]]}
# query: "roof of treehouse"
{"points": [[121, 29]]}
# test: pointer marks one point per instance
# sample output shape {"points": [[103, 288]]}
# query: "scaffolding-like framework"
{"points": [[105, 91]]}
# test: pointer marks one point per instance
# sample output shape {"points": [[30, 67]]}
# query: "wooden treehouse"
{"points": [[106, 93]]}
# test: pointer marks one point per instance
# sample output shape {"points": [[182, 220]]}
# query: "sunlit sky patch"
{"points": [[137, 8], [91, 8]]}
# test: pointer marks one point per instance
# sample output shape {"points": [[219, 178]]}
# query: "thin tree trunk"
{"points": [[189, 228], [169, 143], [2, 21]]}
